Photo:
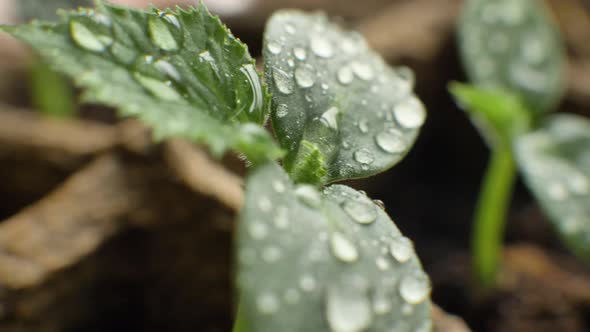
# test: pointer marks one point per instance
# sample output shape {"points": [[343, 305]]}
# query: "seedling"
{"points": [[514, 56], [310, 257]]}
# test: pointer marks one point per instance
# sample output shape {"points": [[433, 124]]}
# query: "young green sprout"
{"points": [[514, 56], [310, 257]]}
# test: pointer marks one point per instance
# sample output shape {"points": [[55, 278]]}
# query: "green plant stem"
{"points": [[240, 323], [490, 216]]}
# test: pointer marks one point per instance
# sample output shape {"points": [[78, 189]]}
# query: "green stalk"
{"points": [[240, 323], [490, 215]]}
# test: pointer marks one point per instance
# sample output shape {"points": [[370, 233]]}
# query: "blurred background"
{"points": [[134, 258]]}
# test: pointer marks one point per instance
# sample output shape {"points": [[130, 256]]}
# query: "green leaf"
{"points": [[513, 45], [331, 261], [499, 115], [555, 162], [332, 91], [183, 72]]}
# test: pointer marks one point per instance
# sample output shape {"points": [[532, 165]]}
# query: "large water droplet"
{"points": [[343, 248], [161, 35], [274, 47], [170, 18], [321, 46], [361, 211], [410, 113], [348, 308], [345, 75], [308, 195], [255, 86], [157, 88], [267, 303], [364, 156], [414, 287], [305, 76], [362, 70], [391, 141], [330, 117], [300, 53], [86, 39], [167, 69], [401, 248], [283, 81]]}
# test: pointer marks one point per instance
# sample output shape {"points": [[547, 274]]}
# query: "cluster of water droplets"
{"points": [[517, 51]]}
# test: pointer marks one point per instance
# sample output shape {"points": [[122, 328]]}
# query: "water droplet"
{"points": [[345, 75], [300, 53], [158, 88], [343, 248], [305, 76], [364, 156], [348, 308], [283, 81], [382, 263], [274, 47], [290, 63], [290, 29], [278, 186], [361, 211], [292, 296], [255, 86], [414, 287], [330, 117], [282, 110], [281, 219], [308, 195], [410, 113], [264, 204], [533, 50], [102, 19], [161, 35], [258, 230], [267, 303], [363, 126], [271, 254], [401, 248], [307, 283], [123, 54], [557, 191], [362, 70], [170, 18], [391, 141], [167, 69], [379, 203], [86, 39], [321, 46]]}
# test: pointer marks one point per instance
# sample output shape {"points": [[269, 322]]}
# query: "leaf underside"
{"points": [[555, 162], [182, 72], [330, 90], [513, 45], [331, 261]]}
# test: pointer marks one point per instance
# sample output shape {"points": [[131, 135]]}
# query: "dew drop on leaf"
{"points": [[282, 110], [258, 230], [167, 69], [274, 47], [283, 81], [414, 287], [308, 195], [360, 211], [321, 47], [343, 248], [281, 219], [362, 70], [307, 283], [330, 117], [86, 39], [267, 303], [255, 86], [305, 76], [382, 263], [157, 88], [300, 53], [391, 141], [345, 75], [348, 308], [401, 248], [410, 113], [161, 35], [364, 156]]}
